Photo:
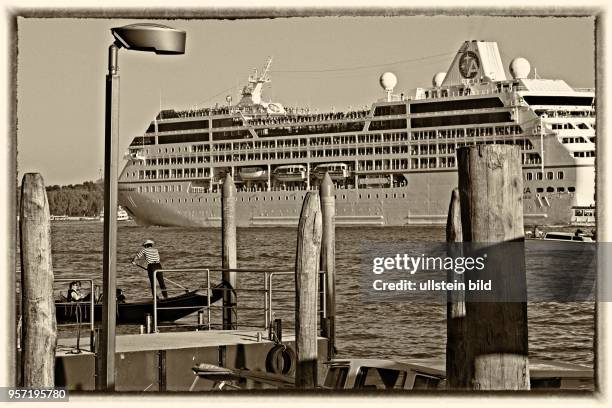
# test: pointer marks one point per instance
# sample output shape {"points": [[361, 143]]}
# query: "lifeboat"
{"points": [[253, 173], [337, 171], [293, 172]]}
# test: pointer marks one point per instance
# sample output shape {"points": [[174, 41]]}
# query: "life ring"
{"points": [[274, 108], [280, 360]]}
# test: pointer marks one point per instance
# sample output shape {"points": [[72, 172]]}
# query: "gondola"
{"points": [[168, 310]]}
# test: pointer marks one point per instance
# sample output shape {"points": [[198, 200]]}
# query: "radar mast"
{"points": [[251, 93]]}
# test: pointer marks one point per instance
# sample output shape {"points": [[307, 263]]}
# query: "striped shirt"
{"points": [[150, 254]]}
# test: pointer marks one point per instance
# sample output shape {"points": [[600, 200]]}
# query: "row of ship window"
{"points": [[362, 165], [362, 151], [414, 151], [433, 162], [584, 213], [580, 139], [200, 172], [316, 129], [331, 128], [296, 143], [469, 132], [172, 173], [430, 149], [285, 198], [576, 113], [288, 143], [449, 161], [168, 188], [178, 188], [350, 127], [557, 189], [538, 175], [352, 139], [558, 126], [585, 154]]}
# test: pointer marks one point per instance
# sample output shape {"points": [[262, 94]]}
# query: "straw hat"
{"points": [[148, 242]]}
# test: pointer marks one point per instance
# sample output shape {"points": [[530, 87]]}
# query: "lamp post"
{"points": [[155, 38]]}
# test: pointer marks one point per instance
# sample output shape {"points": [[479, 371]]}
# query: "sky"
{"points": [[319, 62]]}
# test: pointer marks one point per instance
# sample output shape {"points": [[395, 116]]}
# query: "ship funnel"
{"points": [[475, 61]]}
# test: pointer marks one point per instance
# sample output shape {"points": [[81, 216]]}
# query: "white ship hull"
{"points": [[423, 202]]}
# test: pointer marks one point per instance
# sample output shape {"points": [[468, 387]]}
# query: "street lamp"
{"points": [[155, 38]]}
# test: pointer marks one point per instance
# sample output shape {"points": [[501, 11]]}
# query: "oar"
{"points": [[169, 280]]}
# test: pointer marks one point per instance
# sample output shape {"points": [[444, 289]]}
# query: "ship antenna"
{"points": [[266, 68]]}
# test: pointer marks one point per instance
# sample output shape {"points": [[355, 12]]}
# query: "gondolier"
{"points": [[151, 255]]}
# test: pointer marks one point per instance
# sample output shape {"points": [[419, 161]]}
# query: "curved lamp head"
{"points": [[156, 38]]}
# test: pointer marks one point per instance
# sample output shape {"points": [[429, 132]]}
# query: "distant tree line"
{"points": [[75, 200]]}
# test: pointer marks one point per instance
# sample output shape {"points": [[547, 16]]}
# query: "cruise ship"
{"points": [[393, 164]]}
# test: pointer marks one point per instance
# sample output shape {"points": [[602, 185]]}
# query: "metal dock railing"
{"points": [[266, 287]]}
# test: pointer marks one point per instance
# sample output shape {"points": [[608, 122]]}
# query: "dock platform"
{"points": [[163, 361]]}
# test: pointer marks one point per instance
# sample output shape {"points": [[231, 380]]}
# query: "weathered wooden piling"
{"points": [[328, 261], [306, 271], [228, 251], [491, 194], [456, 362], [38, 308]]}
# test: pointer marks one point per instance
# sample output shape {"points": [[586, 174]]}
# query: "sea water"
{"points": [[365, 328]]}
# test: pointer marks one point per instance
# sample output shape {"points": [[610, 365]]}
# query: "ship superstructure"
{"points": [[393, 164]]}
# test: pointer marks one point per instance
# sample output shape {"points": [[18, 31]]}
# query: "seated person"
{"points": [[75, 294]]}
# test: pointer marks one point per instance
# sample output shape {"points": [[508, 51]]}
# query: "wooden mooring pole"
{"points": [[306, 271], [457, 371], [228, 251], [38, 308], [328, 262], [491, 201]]}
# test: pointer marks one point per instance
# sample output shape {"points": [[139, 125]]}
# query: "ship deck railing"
{"points": [[289, 112], [263, 296], [316, 119], [431, 93]]}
